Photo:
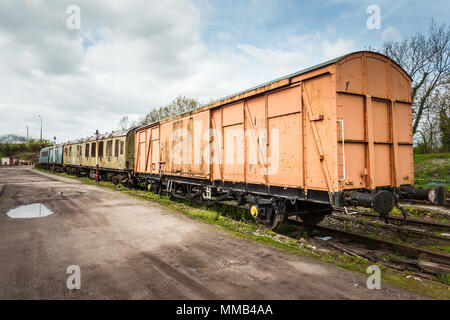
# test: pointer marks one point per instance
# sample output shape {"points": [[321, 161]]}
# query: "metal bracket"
{"points": [[169, 185], [343, 150]]}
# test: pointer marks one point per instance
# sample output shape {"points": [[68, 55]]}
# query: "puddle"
{"points": [[68, 194], [35, 210]]}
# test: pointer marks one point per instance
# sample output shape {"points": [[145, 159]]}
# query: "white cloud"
{"points": [[224, 36], [135, 56], [338, 48], [296, 54], [391, 34]]}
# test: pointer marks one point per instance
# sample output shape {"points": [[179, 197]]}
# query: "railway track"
{"points": [[422, 262], [394, 228], [415, 259], [443, 228], [445, 205], [407, 250], [408, 221]]}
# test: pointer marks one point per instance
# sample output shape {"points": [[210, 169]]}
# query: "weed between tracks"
{"points": [[239, 223]]}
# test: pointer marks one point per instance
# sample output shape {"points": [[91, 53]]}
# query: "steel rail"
{"points": [[425, 203], [410, 221], [407, 250], [391, 227]]}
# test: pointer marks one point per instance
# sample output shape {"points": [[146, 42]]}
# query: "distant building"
{"points": [[8, 161]]}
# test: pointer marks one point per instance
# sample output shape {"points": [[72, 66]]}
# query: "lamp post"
{"points": [[96, 157], [41, 126], [54, 154]]}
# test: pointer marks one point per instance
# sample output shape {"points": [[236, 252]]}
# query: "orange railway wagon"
{"points": [[333, 135]]}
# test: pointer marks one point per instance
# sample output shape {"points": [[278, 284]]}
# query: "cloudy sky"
{"points": [[128, 57]]}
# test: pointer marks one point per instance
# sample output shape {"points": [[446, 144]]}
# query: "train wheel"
{"points": [[267, 217], [115, 179]]}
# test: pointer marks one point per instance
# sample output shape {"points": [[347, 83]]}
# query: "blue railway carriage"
{"points": [[57, 152], [44, 157]]}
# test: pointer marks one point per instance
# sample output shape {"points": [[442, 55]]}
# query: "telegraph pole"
{"points": [[41, 126], [54, 154]]}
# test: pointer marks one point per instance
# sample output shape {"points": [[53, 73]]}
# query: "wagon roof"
{"points": [[229, 97], [107, 135]]}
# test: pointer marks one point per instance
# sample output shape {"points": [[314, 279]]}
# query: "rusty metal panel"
{"points": [[184, 145], [217, 157], [406, 164], [200, 138], [383, 165], [233, 114], [320, 133], [401, 86], [355, 165], [256, 140], [349, 75], [376, 76], [381, 121], [351, 110], [284, 102], [141, 150], [404, 122], [178, 145], [166, 146], [233, 153], [286, 141], [153, 161]]}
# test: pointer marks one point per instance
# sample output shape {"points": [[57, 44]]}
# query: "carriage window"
{"points": [[121, 147], [70, 151], [100, 149], [86, 151], [116, 148], [109, 148], [93, 149]]}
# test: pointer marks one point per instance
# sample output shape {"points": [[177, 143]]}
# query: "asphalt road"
{"points": [[128, 248]]}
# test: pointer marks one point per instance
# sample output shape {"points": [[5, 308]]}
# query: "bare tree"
{"points": [[428, 140], [427, 60], [124, 123], [444, 122], [179, 105], [12, 138]]}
